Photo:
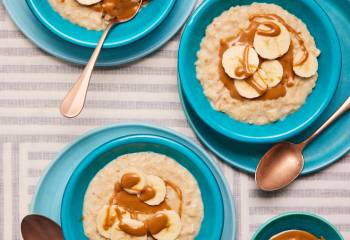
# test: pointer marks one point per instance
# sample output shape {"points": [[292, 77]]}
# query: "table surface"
{"points": [[32, 131]]}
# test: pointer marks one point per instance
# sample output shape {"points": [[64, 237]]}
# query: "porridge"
{"points": [[94, 14], [143, 196], [257, 63]]}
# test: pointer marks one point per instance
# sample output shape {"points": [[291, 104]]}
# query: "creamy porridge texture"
{"points": [[94, 14], [143, 196], [257, 63]]}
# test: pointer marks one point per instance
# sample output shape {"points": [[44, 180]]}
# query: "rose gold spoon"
{"points": [[74, 101], [283, 163], [36, 227]]}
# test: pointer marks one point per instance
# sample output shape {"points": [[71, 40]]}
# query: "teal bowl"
{"points": [[149, 17], [73, 198], [326, 39], [298, 221]]}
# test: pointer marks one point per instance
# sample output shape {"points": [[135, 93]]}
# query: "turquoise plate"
{"points": [[146, 20], [326, 39], [298, 221], [57, 175], [326, 149], [49, 42], [73, 198]]}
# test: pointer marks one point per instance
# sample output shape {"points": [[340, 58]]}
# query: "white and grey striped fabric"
{"points": [[32, 131]]}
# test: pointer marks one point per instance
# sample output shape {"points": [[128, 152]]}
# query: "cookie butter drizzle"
{"points": [[122, 202], [246, 37], [295, 235]]}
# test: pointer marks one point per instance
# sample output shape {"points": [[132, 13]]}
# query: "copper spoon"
{"points": [[36, 227], [283, 163], [73, 102]]}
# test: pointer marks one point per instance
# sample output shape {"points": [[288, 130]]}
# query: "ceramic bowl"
{"points": [[297, 221], [326, 39], [73, 198], [149, 17]]}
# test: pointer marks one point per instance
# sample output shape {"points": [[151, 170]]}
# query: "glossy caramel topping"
{"points": [[133, 204], [295, 235], [129, 180], [157, 223], [134, 231], [244, 70], [120, 9], [247, 37], [178, 192], [147, 193], [109, 220], [273, 29]]}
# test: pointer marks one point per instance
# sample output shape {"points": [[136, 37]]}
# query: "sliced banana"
{"points": [[101, 220], [158, 186], [272, 47], [88, 2], [172, 231], [308, 68], [271, 72], [139, 186], [233, 59], [253, 88], [118, 234]]}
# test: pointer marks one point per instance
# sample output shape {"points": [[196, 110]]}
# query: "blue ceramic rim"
{"points": [[295, 213], [228, 201], [141, 54], [114, 44], [243, 167], [278, 137], [98, 151]]}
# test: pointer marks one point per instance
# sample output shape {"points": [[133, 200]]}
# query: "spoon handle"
{"points": [[74, 101], [341, 110]]}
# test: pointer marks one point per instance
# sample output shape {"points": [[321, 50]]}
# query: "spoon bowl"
{"points": [[272, 175], [37, 227]]}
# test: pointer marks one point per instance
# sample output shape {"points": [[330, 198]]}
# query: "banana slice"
{"points": [[132, 180], [233, 58], [155, 191], [118, 234], [271, 72], [173, 229], [272, 47], [104, 227], [252, 88], [308, 68], [88, 2]]}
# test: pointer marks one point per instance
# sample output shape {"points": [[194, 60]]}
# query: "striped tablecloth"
{"points": [[32, 131]]}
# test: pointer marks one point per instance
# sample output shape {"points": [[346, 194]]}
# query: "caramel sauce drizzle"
{"points": [[246, 36], [295, 235], [135, 205]]}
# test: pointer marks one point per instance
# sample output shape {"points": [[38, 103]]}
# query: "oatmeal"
{"points": [[94, 14], [257, 63], [140, 196]]}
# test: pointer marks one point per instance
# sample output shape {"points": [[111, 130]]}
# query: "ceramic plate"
{"points": [[48, 203], [42, 37], [149, 17], [326, 39]]}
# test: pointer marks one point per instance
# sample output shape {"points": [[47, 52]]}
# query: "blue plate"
{"points": [[73, 198], [297, 221], [42, 37], [326, 39], [325, 150], [146, 20], [48, 202]]}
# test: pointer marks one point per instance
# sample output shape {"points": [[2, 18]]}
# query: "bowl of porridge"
{"points": [[259, 72], [81, 21], [142, 187]]}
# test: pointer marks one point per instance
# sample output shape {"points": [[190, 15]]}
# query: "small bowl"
{"points": [[149, 17], [326, 39], [73, 198], [297, 221]]}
